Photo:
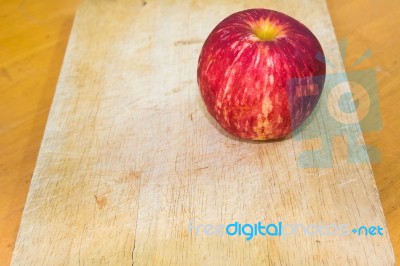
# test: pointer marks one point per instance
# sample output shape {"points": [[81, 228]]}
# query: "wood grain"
{"points": [[374, 25], [28, 49], [105, 173], [33, 37]]}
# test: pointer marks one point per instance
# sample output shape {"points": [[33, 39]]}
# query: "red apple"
{"points": [[260, 74]]}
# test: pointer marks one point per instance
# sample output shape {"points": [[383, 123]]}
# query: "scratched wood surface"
{"points": [[130, 155]]}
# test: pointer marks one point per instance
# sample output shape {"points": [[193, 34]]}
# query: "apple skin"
{"points": [[260, 74]]}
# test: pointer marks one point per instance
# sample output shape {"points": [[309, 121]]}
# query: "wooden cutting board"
{"points": [[130, 158]]}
